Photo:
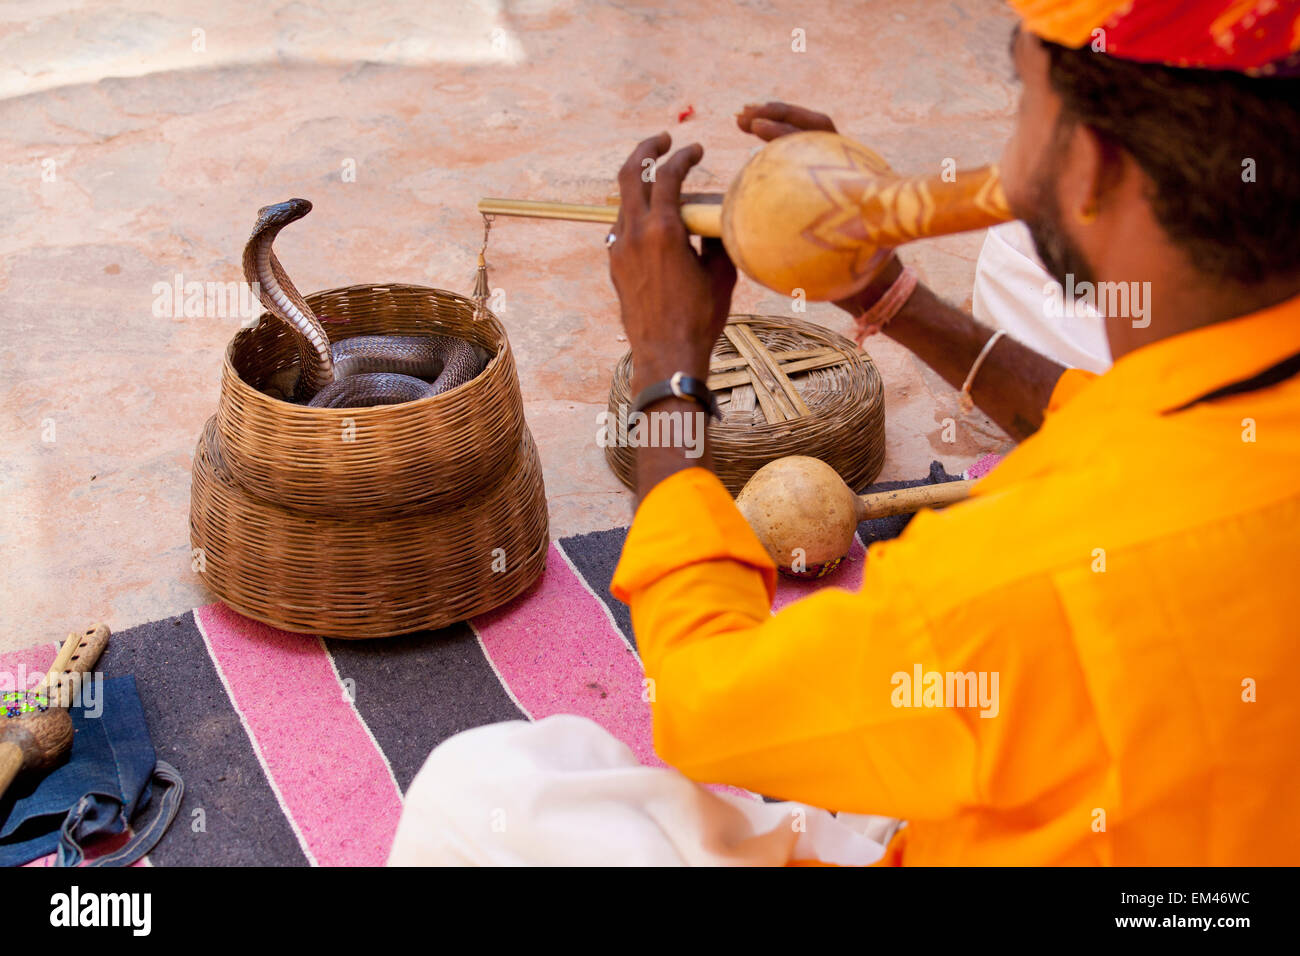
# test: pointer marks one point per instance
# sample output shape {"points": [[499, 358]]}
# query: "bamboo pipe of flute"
{"points": [[702, 212], [814, 213], [902, 501], [702, 219]]}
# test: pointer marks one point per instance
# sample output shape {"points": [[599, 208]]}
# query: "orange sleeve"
{"points": [[680, 522], [796, 705], [1070, 384]]}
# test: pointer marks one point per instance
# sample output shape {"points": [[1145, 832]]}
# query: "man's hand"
{"points": [[674, 300], [770, 120]]}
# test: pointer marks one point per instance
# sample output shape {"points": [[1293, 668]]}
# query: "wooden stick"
{"points": [[761, 353], [703, 219], [11, 761], [80, 653], [739, 361], [33, 742], [718, 380], [778, 407], [539, 209], [903, 501], [61, 661]]}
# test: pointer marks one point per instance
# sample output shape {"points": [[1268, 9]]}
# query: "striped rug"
{"points": [[297, 750]]}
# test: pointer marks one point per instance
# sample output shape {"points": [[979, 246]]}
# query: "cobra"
{"points": [[362, 370]]}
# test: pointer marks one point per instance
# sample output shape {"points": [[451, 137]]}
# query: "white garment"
{"points": [[564, 791], [1014, 292]]}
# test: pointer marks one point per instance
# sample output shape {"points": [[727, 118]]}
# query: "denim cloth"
{"points": [[108, 777]]}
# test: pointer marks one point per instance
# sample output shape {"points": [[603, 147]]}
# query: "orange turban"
{"points": [[1259, 37]]}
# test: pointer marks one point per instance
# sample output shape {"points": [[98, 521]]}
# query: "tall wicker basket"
{"points": [[369, 522]]}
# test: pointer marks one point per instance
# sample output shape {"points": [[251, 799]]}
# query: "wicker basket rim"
{"points": [[854, 356], [503, 346]]}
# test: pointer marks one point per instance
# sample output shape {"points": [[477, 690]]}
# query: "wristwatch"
{"points": [[680, 385]]}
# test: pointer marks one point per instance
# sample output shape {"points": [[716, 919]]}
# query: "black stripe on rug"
{"points": [[415, 691], [241, 822]]}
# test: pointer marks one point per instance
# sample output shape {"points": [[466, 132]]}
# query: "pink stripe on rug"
{"points": [[983, 466], [847, 576], [558, 653], [21, 669], [333, 782], [95, 849]]}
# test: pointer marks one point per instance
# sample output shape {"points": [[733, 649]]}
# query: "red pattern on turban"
{"points": [[1260, 37]]}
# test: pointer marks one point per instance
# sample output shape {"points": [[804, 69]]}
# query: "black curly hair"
{"points": [[1201, 136]]}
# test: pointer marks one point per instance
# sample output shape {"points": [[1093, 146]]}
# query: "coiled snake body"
{"points": [[365, 369]]}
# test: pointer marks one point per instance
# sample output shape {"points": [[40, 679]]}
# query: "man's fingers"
{"points": [[633, 186], [797, 117], [667, 193], [770, 129], [713, 255], [722, 276]]}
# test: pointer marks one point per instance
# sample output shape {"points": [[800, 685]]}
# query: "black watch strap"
{"points": [[680, 385]]}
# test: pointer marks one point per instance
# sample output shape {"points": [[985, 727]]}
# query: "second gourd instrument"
{"points": [[815, 212]]}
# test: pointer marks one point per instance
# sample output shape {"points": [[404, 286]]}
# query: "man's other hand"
{"points": [[768, 121]]}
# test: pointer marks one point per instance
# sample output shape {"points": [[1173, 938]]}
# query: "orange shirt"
{"points": [[1129, 577]]}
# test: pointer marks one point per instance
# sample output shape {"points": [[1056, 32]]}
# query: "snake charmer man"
{"points": [[1127, 572]]}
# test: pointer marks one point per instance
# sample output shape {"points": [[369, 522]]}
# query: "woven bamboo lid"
{"points": [[785, 387]]}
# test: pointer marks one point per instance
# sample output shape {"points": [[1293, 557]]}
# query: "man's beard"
{"points": [[1058, 252]]}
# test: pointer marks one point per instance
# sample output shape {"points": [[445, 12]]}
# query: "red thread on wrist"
{"points": [[887, 306]]}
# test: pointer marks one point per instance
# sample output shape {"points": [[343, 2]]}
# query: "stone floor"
{"points": [[138, 139]]}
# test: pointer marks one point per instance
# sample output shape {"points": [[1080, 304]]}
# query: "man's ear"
{"points": [[1094, 168]]}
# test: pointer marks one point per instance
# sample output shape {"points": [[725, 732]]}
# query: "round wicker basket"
{"points": [[369, 522], [372, 461], [785, 387]]}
